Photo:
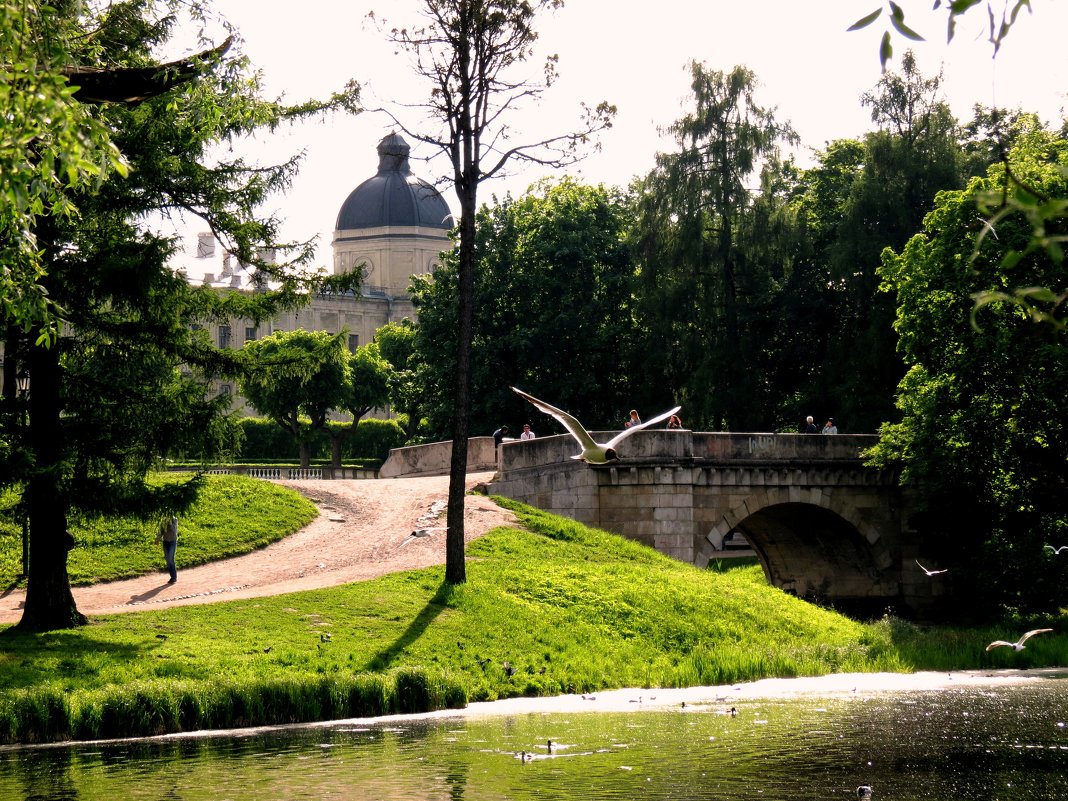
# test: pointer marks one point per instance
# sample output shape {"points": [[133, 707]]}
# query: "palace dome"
{"points": [[394, 196]]}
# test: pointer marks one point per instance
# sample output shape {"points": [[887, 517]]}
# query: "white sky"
{"points": [[632, 53]]}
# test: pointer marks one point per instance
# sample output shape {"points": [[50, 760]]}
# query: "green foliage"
{"points": [[983, 436], [266, 441], [999, 27], [145, 709], [713, 253], [397, 344], [553, 285], [374, 439], [296, 378], [52, 149], [232, 515]]}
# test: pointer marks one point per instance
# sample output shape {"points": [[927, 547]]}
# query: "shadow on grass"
{"points": [[26, 656], [434, 607]]}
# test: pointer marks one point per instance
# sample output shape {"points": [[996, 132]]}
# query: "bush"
{"points": [[374, 439], [266, 441]]}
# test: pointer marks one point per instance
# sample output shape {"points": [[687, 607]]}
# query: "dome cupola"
{"points": [[394, 196]]}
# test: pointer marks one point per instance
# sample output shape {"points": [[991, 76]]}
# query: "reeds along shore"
{"points": [[165, 707]]}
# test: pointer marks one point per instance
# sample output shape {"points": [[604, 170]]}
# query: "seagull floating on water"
{"points": [[592, 452], [931, 572], [1019, 644]]}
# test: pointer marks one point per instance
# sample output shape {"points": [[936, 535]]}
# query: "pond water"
{"points": [[988, 743]]}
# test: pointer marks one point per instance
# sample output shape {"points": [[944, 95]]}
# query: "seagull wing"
{"points": [[573, 426], [1031, 634], [931, 572], [997, 643], [626, 432]]}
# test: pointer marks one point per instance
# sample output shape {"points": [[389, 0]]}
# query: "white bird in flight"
{"points": [[1056, 551], [1019, 644], [931, 572], [592, 452]]}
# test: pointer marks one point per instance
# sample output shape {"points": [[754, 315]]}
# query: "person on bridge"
{"points": [[830, 427], [674, 422], [527, 433], [634, 419], [810, 426], [499, 436]]}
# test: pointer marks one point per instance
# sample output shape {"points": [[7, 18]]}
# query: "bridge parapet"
{"points": [[690, 447]]}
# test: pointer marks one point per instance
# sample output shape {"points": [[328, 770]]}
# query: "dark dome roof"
{"points": [[394, 196]]}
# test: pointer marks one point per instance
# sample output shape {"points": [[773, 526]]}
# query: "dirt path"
{"points": [[364, 530]]}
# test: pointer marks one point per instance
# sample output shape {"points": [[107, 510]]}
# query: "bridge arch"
{"points": [[821, 547]]}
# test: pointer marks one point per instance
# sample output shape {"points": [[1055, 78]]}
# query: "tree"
{"points": [[118, 375], [914, 154], [699, 277], [1016, 196], [554, 284], [53, 147], [396, 343], [368, 388], [296, 378], [469, 50], [983, 434]]}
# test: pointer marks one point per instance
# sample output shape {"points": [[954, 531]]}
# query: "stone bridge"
{"points": [[823, 526]]}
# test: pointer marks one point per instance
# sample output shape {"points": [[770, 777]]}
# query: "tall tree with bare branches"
{"points": [[472, 52]]}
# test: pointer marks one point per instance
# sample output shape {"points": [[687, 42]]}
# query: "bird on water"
{"points": [[592, 452]]}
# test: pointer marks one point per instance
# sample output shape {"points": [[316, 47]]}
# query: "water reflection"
{"points": [[1008, 743]]}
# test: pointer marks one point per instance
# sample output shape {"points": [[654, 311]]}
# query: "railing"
{"points": [[289, 473]]}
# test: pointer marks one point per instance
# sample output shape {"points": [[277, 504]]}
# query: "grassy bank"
{"points": [[233, 516], [554, 607]]}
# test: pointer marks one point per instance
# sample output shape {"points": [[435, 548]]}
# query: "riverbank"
{"points": [[551, 608], [716, 699]]}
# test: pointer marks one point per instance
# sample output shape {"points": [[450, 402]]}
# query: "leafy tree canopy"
{"points": [[984, 407], [554, 285]]}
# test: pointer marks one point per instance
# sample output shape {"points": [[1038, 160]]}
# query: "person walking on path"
{"points": [[168, 535]]}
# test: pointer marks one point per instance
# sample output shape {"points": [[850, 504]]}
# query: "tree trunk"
{"points": [[336, 441], [455, 567], [49, 602]]}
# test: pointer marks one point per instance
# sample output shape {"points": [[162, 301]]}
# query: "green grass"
{"points": [[233, 515], [548, 608]]}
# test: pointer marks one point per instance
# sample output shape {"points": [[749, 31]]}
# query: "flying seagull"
{"points": [[1056, 551], [592, 452], [931, 572], [1019, 644]]}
